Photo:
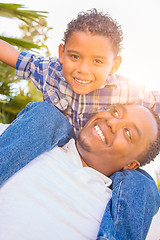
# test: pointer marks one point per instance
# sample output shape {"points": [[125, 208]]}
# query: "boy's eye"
{"points": [[98, 61], [74, 56]]}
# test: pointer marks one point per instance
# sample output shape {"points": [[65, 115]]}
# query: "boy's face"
{"points": [[112, 140], [87, 61]]}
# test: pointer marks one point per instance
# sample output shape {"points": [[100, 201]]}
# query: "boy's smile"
{"points": [[87, 61], [82, 82]]}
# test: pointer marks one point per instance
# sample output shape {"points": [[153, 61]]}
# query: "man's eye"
{"points": [[128, 133], [115, 113]]}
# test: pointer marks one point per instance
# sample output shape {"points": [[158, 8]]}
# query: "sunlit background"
{"points": [[140, 20]]}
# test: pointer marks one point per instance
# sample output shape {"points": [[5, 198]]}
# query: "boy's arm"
{"points": [[130, 92], [152, 100], [8, 54], [28, 66]]}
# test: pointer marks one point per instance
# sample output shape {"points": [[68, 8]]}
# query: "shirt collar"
{"points": [[71, 149]]}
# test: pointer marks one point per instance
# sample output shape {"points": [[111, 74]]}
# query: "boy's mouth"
{"points": [[82, 82]]}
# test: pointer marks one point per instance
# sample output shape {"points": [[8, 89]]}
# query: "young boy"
{"points": [[79, 83]]}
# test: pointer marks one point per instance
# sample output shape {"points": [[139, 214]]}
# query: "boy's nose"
{"points": [[84, 67]]}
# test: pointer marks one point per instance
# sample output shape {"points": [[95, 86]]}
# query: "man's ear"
{"points": [[132, 166], [61, 52], [116, 64]]}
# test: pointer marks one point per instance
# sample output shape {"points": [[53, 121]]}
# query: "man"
{"points": [[62, 194]]}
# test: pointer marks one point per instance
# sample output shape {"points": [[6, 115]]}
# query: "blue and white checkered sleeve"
{"points": [[31, 67], [136, 93]]}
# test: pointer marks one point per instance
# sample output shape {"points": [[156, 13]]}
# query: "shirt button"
{"points": [[80, 115], [56, 100]]}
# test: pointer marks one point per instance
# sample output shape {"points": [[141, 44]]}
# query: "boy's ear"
{"points": [[116, 64], [132, 166], [61, 52]]}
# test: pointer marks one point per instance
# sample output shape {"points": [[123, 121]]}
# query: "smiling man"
{"points": [[63, 193], [115, 139]]}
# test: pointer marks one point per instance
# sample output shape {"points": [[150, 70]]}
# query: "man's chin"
{"points": [[82, 143]]}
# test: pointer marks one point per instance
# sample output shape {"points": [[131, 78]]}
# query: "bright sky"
{"points": [[140, 21]]}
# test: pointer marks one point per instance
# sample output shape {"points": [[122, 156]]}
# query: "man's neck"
{"points": [[83, 163]]}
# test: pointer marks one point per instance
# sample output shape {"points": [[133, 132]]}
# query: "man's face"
{"points": [[111, 140], [87, 61]]}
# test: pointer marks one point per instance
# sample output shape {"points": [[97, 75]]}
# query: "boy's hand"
{"points": [[8, 54]]}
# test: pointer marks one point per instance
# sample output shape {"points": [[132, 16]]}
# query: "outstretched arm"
{"points": [[8, 54]]}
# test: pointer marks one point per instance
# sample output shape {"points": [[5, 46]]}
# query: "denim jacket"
{"points": [[40, 127]]}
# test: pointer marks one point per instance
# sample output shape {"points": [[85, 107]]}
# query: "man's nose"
{"points": [[115, 124]]}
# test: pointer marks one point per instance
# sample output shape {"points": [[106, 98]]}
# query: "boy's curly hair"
{"points": [[97, 23]]}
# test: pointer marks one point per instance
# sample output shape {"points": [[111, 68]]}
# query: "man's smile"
{"points": [[100, 133]]}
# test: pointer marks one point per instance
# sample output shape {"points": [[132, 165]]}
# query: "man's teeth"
{"points": [[82, 81], [100, 133]]}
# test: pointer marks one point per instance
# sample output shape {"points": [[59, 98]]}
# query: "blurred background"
{"points": [[41, 30]]}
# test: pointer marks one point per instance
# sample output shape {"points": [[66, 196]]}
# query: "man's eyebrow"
{"points": [[122, 108], [137, 129]]}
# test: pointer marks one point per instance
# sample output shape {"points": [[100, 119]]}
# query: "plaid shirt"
{"points": [[47, 76]]}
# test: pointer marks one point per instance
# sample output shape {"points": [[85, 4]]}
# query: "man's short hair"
{"points": [[153, 148]]}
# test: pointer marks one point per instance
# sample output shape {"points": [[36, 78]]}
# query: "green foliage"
{"points": [[10, 10], [7, 78], [20, 42], [34, 28], [13, 98], [36, 32], [10, 109]]}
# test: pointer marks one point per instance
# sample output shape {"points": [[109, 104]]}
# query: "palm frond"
{"points": [[20, 42], [17, 11]]}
